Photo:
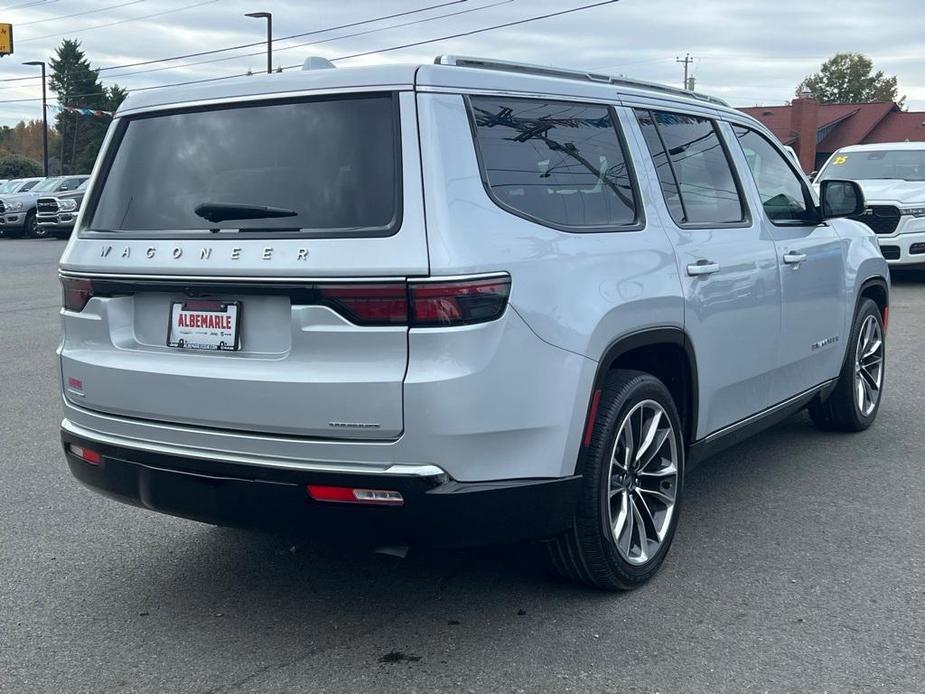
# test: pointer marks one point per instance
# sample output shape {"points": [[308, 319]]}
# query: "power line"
{"points": [[256, 43], [78, 14], [382, 50], [286, 38], [121, 21], [472, 32], [27, 4], [314, 43]]}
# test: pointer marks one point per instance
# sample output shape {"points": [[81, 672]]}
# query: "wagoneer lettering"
{"points": [[523, 317]]}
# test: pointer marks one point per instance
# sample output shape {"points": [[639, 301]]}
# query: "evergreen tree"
{"points": [[77, 84]]}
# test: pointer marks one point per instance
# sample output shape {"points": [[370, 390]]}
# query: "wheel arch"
{"points": [[876, 289], [664, 352]]}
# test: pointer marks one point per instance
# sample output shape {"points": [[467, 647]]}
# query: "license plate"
{"points": [[204, 325]]}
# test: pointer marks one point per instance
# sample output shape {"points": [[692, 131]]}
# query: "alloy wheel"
{"points": [[868, 370], [643, 482]]}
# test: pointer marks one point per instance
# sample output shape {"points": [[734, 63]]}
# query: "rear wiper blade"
{"points": [[222, 211]]}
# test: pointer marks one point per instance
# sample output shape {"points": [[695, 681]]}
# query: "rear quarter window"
{"points": [[558, 163], [334, 163]]}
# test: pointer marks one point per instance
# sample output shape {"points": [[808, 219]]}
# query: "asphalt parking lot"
{"points": [[799, 565]]}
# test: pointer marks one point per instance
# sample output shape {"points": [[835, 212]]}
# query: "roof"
{"points": [[846, 124], [466, 73], [899, 126], [854, 129]]}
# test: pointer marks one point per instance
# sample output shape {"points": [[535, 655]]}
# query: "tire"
{"points": [[589, 553], [32, 228], [843, 409]]}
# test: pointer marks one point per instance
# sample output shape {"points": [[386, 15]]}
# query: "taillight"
{"points": [[90, 456], [458, 302], [77, 292], [351, 495], [368, 304]]}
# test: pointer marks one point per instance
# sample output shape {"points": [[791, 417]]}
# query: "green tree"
{"points": [[849, 78], [77, 84], [18, 166]]}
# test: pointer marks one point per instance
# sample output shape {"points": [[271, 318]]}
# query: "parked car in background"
{"points": [[56, 214], [457, 303], [17, 211], [18, 185], [892, 176]]}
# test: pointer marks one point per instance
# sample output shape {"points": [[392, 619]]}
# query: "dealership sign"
{"points": [[6, 39]]}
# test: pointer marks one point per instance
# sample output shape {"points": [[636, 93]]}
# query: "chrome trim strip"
{"points": [[252, 279], [225, 278], [764, 413], [385, 469]]}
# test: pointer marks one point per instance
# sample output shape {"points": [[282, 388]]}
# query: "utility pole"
{"points": [[37, 63], [686, 61]]}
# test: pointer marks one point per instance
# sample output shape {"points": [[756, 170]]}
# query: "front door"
{"points": [[727, 262], [812, 269]]}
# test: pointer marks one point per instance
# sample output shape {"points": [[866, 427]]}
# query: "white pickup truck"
{"points": [[892, 176]]}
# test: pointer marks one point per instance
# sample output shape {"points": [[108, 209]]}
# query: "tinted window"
{"points": [[333, 163], [906, 165], [557, 162], [28, 185], [44, 185], [662, 166], [783, 194], [702, 188]]}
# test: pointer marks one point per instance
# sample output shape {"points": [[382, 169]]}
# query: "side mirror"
{"points": [[841, 199]]}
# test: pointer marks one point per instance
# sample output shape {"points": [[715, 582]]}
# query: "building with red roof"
{"points": [[816, 130]]}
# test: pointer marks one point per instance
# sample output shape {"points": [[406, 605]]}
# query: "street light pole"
{"points": [[44, 118], [269, 17]]}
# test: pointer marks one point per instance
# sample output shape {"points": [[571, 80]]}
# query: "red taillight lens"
{"points": [[77, 292], [368, 304], [86, 454], [350, 495], [437, 304]]}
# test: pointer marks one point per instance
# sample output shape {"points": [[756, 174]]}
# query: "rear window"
{"points": [[555, 162], [323, 166]]}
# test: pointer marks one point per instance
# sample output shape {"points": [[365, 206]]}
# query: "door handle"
{"points": [[702, 267], [794, 258]]}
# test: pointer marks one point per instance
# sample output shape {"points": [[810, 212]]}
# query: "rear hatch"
{"points": [[243, 267]]}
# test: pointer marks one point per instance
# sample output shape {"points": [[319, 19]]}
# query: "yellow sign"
{"points": [[6, 39], [839, 160]]}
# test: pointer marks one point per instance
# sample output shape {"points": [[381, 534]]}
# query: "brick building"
{"points": [[816, 130]]}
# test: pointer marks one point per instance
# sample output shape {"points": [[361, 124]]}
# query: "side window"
{"points": [[694, 172], [784, 196], [559, 163]]}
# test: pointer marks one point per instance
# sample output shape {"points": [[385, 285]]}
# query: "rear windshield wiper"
{"points": [[222, 211]]}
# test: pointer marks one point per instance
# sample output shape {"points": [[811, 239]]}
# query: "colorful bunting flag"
{"points": [[83, 111]]}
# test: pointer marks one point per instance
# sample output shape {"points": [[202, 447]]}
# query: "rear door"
{"points": [[727, 262], [812, 269], [248, 264]]}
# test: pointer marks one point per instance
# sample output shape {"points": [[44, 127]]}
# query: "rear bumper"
{"points": [[437, 510]]}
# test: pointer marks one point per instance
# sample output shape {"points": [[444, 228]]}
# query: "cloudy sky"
{"points": [[746, 51]]}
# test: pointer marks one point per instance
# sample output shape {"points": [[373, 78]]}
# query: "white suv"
{"points": [[467, 302], [892, 176]]}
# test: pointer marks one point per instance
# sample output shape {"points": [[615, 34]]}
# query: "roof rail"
{"points": [[545, 71]]}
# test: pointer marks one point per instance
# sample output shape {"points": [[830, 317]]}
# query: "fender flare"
{"points": [[876, 281], [669, 335]]}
